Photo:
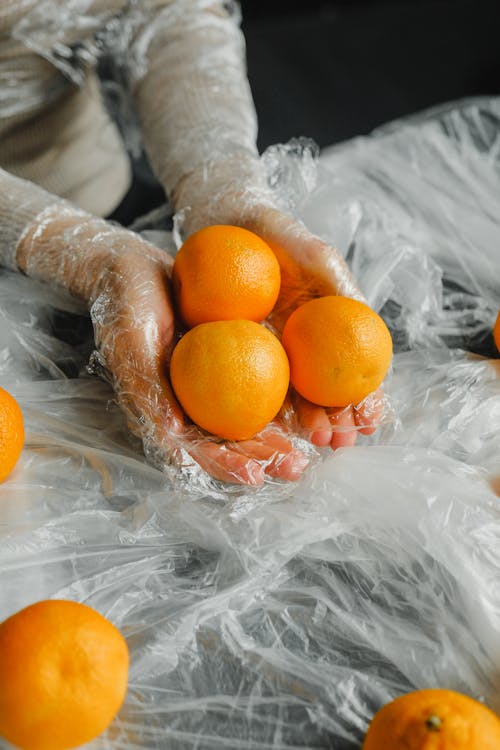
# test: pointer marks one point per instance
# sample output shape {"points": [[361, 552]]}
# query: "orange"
{"points": [[230, 376], [496, 332], [223, 272], [339, 350], [433, 720], [11, 433], [63, 675]]}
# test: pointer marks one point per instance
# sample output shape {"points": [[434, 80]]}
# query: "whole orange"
{"points": [[433, 720], [496, 332], [11, 433], [339, 350], [63, 675], [230, 376], [223, 272]]}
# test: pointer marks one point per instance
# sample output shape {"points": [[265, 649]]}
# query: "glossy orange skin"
{"points": [[223, 272], [339, 350], [496, 332], [63, 675], [231, 377], [11, 433], [433, 720]]}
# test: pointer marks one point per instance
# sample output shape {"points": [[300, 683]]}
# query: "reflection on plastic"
{"points": [[284, 621]]}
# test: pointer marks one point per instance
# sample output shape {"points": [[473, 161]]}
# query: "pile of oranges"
{"points": [[229, 372]]}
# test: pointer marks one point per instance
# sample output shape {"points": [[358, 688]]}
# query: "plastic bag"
{"points": [[285, 622]]}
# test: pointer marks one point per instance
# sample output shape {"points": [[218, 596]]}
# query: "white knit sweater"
{"points": [[183, 61]]}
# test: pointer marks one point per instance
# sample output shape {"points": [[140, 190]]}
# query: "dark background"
{"points": [[331, 70], [334, 69]]}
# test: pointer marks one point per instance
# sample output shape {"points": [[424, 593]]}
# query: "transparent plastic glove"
{"points": [[311, 268], [234, 192], [125, 282]]}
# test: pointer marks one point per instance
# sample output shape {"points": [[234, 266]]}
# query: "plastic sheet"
{"points": [[285, 622], [148, 47], [175, 66]]}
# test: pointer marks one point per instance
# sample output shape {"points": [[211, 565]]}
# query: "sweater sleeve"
{"points": [[21, 202], [190, 85], [186, 69]]}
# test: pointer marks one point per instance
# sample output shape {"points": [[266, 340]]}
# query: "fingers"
{"points": [[280, 459], [336, 427], [314, 421], [325, 268], [333, 426], [348, 422], [136, 333], [344, 432], [154, 413], [218, 460], [368, 414], [134, 327], [289, 467], [248, 461], [167, 428]]}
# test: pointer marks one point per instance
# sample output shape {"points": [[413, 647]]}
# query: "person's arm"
{"points": [[200, 130], [125, 283], [189, 82]]}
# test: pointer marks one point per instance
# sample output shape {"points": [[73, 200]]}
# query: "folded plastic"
{"points": [[284, 618], [179, 64]]}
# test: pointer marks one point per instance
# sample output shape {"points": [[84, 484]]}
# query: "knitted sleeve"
{"points": [[189, 80]]}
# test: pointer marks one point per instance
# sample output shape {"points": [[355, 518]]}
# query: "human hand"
{"points": [[124, 281], [309, 268], [135, 331]]}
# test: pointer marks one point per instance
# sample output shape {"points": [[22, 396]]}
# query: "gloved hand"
{"points": [[235, 191], [125, 282], [186, 73], [312, 268]]}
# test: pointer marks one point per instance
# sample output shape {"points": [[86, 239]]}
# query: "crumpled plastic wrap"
{"points": [[175, 66], [284, 622], [124, 281]]}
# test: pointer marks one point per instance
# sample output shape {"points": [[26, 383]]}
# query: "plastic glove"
{"points": [[125, 282], [200, 129], [235, 192], [311, 268]]}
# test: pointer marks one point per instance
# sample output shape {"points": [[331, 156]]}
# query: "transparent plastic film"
{"points": [[20, 203], [125, 283], [285, 616], [211, 117], [431, 256], [264, 195], [183, 65], [175, 68]]}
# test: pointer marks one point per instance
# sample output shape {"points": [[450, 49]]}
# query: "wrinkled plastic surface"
{"points": [[178, 66], [285, 622]]}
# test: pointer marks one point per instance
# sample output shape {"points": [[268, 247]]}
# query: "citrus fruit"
{"points": [[230, 376], [223, 272], [433, 720], [496, 332], [339, 350], [63, 675], [11, 433]]}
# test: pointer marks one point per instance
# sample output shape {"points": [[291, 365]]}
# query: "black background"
{"points": [[333, 70]]}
